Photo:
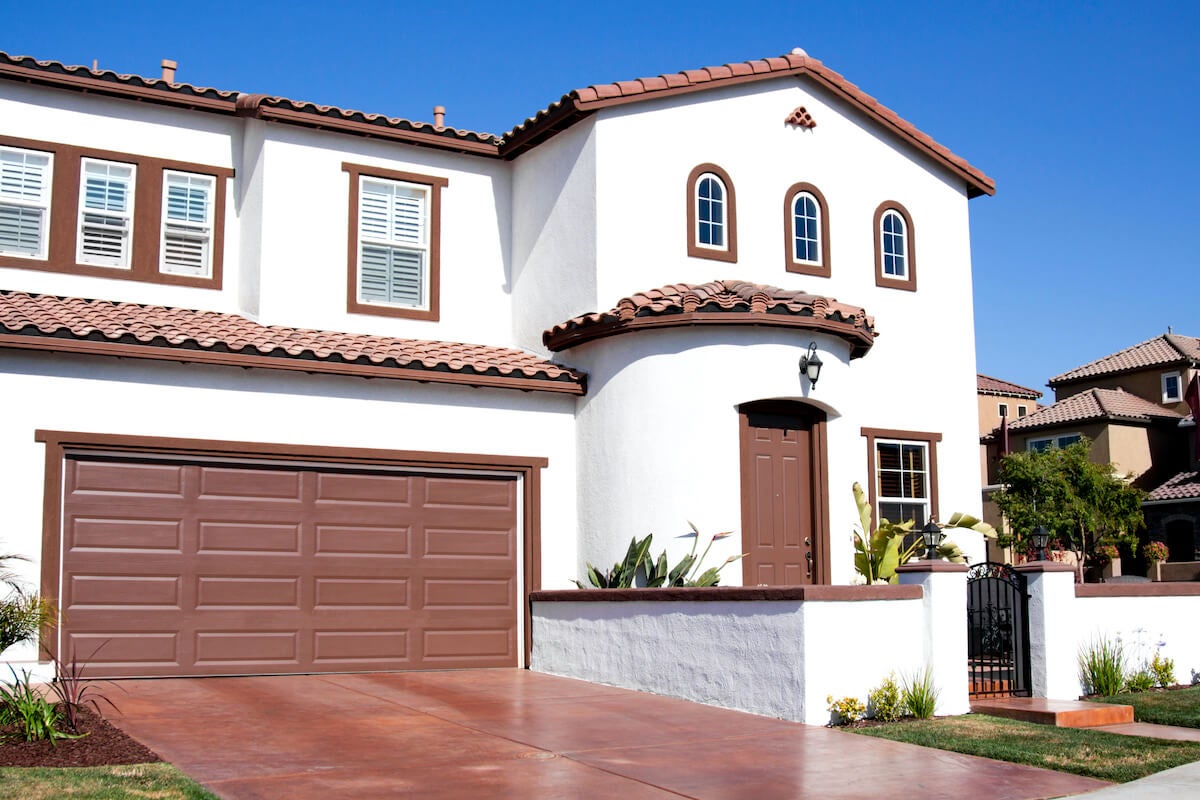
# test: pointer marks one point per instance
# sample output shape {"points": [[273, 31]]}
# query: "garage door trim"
{"points": [[58, 443]]}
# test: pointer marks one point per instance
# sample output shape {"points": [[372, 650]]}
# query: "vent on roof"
{"points": [[439, 117], [799, 51], [168, 70]]}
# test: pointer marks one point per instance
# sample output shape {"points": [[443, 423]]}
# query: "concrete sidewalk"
{"points": [[1173, 784], [516, 733]]}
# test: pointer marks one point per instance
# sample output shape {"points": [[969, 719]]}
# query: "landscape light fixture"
{"points": [[810, 364], [932, 534], [1040, 537]]}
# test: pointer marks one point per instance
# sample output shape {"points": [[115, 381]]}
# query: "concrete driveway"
{"points": [[515, 733]]}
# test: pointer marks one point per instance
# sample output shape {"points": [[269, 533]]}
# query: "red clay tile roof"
{"points": [[1095, 404], [988, 385], [577, 104], [719, 303], [1165, 350], [571, 108], [1184, 486], [102, 327]]}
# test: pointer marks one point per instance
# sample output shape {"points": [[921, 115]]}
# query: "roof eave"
{"points": [[93, 84]]}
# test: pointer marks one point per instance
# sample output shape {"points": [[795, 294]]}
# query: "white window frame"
{"points": [[1177, 395], [926, 500], [203, 232], [1002, 410], [121, 222], [902, 257], [1022, 411], [816, 239], [419, 244], [41, 203], [723, 225], [1052, 442]]}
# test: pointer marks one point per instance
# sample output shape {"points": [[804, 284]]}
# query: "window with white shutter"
{"points": [[393, 243], [105, 213], [187, 224], [25, 177]]}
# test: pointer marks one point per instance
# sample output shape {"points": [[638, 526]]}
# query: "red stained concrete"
{"points": [[516, 733], [1062, 713]]}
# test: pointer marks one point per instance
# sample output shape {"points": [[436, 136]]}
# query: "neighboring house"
{"points": [[1134, 406], [294, 388], [1000, 403]]}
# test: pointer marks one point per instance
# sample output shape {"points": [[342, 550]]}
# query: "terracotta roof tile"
{"points": [[1095, 404], [988, 385], [103, 327], [719, 302], [583, 101], [1164, 350], [1184, 486]]}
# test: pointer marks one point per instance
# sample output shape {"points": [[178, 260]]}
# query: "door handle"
{"points": [[808, 558]]}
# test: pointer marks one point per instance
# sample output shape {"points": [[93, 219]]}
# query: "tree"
{"points": [[1082, 503]]}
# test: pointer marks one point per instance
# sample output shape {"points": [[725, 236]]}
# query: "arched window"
{"points": [[712, 217], [895, 256], [806, 231]]}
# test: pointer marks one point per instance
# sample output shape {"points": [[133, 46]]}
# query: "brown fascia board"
{"points": [[860, 342], [91, 83], [1182, 361], [563, 115], [218, 358]]}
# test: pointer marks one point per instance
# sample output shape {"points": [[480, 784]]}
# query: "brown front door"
{"points": [[174, 568], [784, 528]]}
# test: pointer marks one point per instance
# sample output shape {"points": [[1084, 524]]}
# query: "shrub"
{"points": [[846, 710], [74, 692], [1140, 680], [1102, 667], [1164, 671], [884, 702], [1155, 551], [23, 706], [920, 694], [1107, 553], [639, 564]]}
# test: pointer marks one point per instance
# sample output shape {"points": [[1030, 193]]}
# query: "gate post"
{"points": [[944, 587], [1054, 671]]}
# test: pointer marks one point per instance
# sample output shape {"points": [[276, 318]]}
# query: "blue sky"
{"points": [[1086, 114]]}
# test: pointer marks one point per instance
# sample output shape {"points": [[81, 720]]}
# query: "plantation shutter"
{"points": [[105, 213], [393, 241], [187, 223], [24, 202]]}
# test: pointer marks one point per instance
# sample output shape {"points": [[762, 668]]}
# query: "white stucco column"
{"points": [[945, 606], [1054, 671]]}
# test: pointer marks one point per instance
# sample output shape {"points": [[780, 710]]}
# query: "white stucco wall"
{"points": [[1145, 625], [111, 396], [779, 658]]}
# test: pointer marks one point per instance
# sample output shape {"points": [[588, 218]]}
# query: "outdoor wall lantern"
{"points": [[932, 534], [810, 364], [1040, 537]]}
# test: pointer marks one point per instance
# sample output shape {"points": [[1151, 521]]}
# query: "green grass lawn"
{"points": [[1095, 754], [1175, 707], [142, 781]]}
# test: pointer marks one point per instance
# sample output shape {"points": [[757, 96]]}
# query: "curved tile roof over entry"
{"points": [[132, 330], [719, 303]]}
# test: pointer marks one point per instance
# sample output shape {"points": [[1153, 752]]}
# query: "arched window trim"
{"points": [[909, 282], [822, 269], [694, 248]]}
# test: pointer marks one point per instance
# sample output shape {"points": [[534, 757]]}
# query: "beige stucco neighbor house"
{"points": [[297, 388], [1138, 408]]}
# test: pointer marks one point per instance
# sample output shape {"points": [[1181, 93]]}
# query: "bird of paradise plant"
{"points": [[658, 573]]}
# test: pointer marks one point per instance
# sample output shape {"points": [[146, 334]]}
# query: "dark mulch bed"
{"points": [[103, 745]]}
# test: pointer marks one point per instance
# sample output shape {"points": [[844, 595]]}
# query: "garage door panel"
{"points": [[259, 484], [247, 538], [361, 540], [273, 570], [122, 533], [126, 479]]}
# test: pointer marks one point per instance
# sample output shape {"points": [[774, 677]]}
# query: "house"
{"points": [[297, 388], [1137, 406], [998, 400]]}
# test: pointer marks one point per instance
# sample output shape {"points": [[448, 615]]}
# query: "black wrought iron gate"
{"points": [[997, 631]]}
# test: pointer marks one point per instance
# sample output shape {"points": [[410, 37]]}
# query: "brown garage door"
{"points": [[174, 568]]}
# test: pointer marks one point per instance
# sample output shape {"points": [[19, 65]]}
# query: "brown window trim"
{"points": [[147, 219], [931, 439], [822, 270], [729, 252], [909, 284], [58, 443], [435, 184]]}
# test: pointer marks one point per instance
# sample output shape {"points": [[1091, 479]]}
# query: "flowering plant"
{"points": [[1155, 551], [1107, 553]]}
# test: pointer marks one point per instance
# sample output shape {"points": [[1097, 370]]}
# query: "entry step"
{"points": [[1060, 713]]}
